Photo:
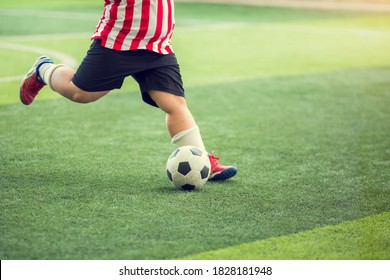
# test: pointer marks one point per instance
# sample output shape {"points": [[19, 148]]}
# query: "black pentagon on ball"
{"points": [[188, 187], [204, 173], [196, 151], [169, 175], [184, 168]]}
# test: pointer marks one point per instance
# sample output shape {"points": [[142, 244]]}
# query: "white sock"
{"points": [[46, 70], [189, 137]]}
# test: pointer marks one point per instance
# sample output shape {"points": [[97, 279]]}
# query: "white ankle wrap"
{"points": [[189, 137]]}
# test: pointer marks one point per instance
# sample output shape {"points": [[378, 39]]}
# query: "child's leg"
{"points": [[181, 124], [179, 117], [184, 131], [60, 81], [58, 77]]}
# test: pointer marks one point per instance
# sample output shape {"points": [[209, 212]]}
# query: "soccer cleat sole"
{"points": [[224, 174], [38, 86], [26, 94]]}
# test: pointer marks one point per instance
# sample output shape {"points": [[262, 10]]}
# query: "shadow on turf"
{"points": [[212, 185]]}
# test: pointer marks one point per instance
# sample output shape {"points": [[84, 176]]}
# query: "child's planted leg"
{"points": [[184, 131]]}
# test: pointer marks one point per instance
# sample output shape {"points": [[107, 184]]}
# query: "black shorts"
{"points": [[105, 69]]}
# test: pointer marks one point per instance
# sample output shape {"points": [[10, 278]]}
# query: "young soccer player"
{"points": [[132, 38]]}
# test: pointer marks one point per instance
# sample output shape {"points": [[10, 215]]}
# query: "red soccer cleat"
{"points": [[220, 172], [32, 82]]}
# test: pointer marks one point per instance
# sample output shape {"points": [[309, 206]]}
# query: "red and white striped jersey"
{"points": [[137, 24]]}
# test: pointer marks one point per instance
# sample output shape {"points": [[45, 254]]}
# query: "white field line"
{"points": [[196, 24], [49, 14], [42, 37], [11, 79], [327, 30], [290, 28], [309, 4], [62, 57]]}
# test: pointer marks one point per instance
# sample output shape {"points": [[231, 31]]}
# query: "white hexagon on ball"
{"points": [[188, 168]]}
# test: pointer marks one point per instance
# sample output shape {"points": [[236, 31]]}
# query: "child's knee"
{"points": [[168, 102]]}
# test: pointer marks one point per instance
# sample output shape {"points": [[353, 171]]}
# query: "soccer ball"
{"points": [[188, 168]]}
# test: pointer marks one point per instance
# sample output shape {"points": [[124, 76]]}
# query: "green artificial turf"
{"points": [[366, 238], [297, 99]]}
